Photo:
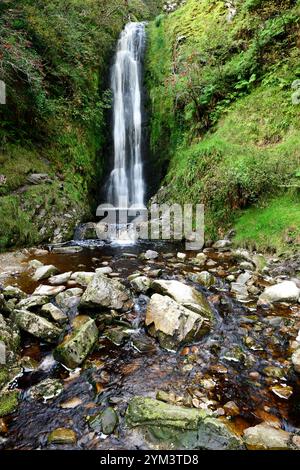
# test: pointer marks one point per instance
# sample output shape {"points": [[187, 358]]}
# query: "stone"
{"points": [[37, 326], [104, 292], [83, 278], [60, 279], [296, 360], [62, 436], [44, 272], [204, 278], [46, 390], [78, 344], [33, 302], [49, 291], [38, 178], [116, 335], [69, 298], [9, 339], [247, 266], [266, 437], [244, 278], [34, 264], [54, 313], [239, 289], [104, 270], [105, 421], [173, 324], [67, 250], [200, 259], [71, 404], [286, 291], [260, 262], [13, 292], [231, 409], [151, 255], [171, 426], [282, 391], [185, 295], [8, 402], [181, 256], [141, 284], [222, 245]]}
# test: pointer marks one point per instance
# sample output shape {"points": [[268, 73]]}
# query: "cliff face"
{"points": [[55, 57], [223, 80]]}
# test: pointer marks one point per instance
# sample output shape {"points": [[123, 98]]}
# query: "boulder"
{"points": [[44, 272], [77, 345], [60, 279], [286, 291], [49, 291], [105, 421], [104, 292], [9, 340], [83, 278], [54, 313], [13, 292], [141, 284], [266, 437], [186, 295], [104, 270], [33, 302], [37, 326], [169, 426], [173, 324], [69, 299]]}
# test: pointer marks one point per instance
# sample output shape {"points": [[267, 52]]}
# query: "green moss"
{"points": [[8, 403], [4, 376]]}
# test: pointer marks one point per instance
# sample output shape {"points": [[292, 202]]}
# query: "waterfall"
{"points": [[126, 183]]}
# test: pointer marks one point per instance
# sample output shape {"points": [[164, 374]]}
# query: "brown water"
{"points": [[245, 340]]}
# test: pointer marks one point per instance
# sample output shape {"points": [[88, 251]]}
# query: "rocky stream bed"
{"points": [[148, 346]]}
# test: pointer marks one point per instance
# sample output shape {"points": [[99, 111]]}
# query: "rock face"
{"points": [[173, 324], [37, 326], [77, 345], [44, 272], [286, 291], [184, 295], [170, 426], [265, 437], [104, 292]]}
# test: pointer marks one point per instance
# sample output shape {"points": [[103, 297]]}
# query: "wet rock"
{"points": [[173, 324], [143, 344], [231, 409], [222, 245], [286, 291], [141, 284], [104, 292], [46, 390], [204, 278], [71, 404], [77, 345], [69, 298], [185, 295], [62, 436], [83, 278], [49, 291], [44, 272], [117, 335], [104, 422], [200, 259], [60, 279], [37, 326], [8, 402], [171, 426], [296, 360], [282, 391], [104, 270], [54, 313], [266, 437], [33, 302], [13, 292], [151, 255], [3, 427]]}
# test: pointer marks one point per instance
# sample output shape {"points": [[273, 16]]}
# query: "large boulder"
{"points": [[104, 292], [37, 326], [266, 437], [173, 324], [285, 291], [77, 345], [185, 295], [175, 427]]}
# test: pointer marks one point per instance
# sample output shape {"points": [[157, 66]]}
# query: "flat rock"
{"points": [[104, 292], [150, 255], [49, 291], [44, 272], [67, 250], [186, 295], [54, 313], [173, 324], [60, 279], [46, 390], [83, 278], [33, 302], [37, 326]]}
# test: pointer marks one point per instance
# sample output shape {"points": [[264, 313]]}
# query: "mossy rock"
{"points": [[8, 403]]}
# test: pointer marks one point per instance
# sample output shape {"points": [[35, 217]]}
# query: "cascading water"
{"points": [[126, 183]]}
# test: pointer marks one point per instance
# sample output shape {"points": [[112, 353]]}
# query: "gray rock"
{"points": [[150, 255], [38, 178], [141, 284], [296, 360], [9, 340], [60, 279], [104, 292], [54, 313], [104, 270], [244, 278], [67, 250], [36, 325], [34, 264], [83, 278], [49, 291], [260, 262], [239, 289], [78, 344], [173, 324], [33, 302], [286, 291], [69, 299], [247, 266], [105, 421], [222, 245], [44, 272], [170, 426], [185, 295], [204, 278], [265, 437]]}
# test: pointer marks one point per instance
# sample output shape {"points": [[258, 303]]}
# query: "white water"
{"points": [[126, 183]]}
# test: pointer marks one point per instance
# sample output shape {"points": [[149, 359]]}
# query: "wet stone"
{"points": [[62, 436]]}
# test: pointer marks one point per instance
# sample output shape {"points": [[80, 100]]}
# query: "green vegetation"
{"points": [[223, 122], [55, 57], [8, 403]]}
